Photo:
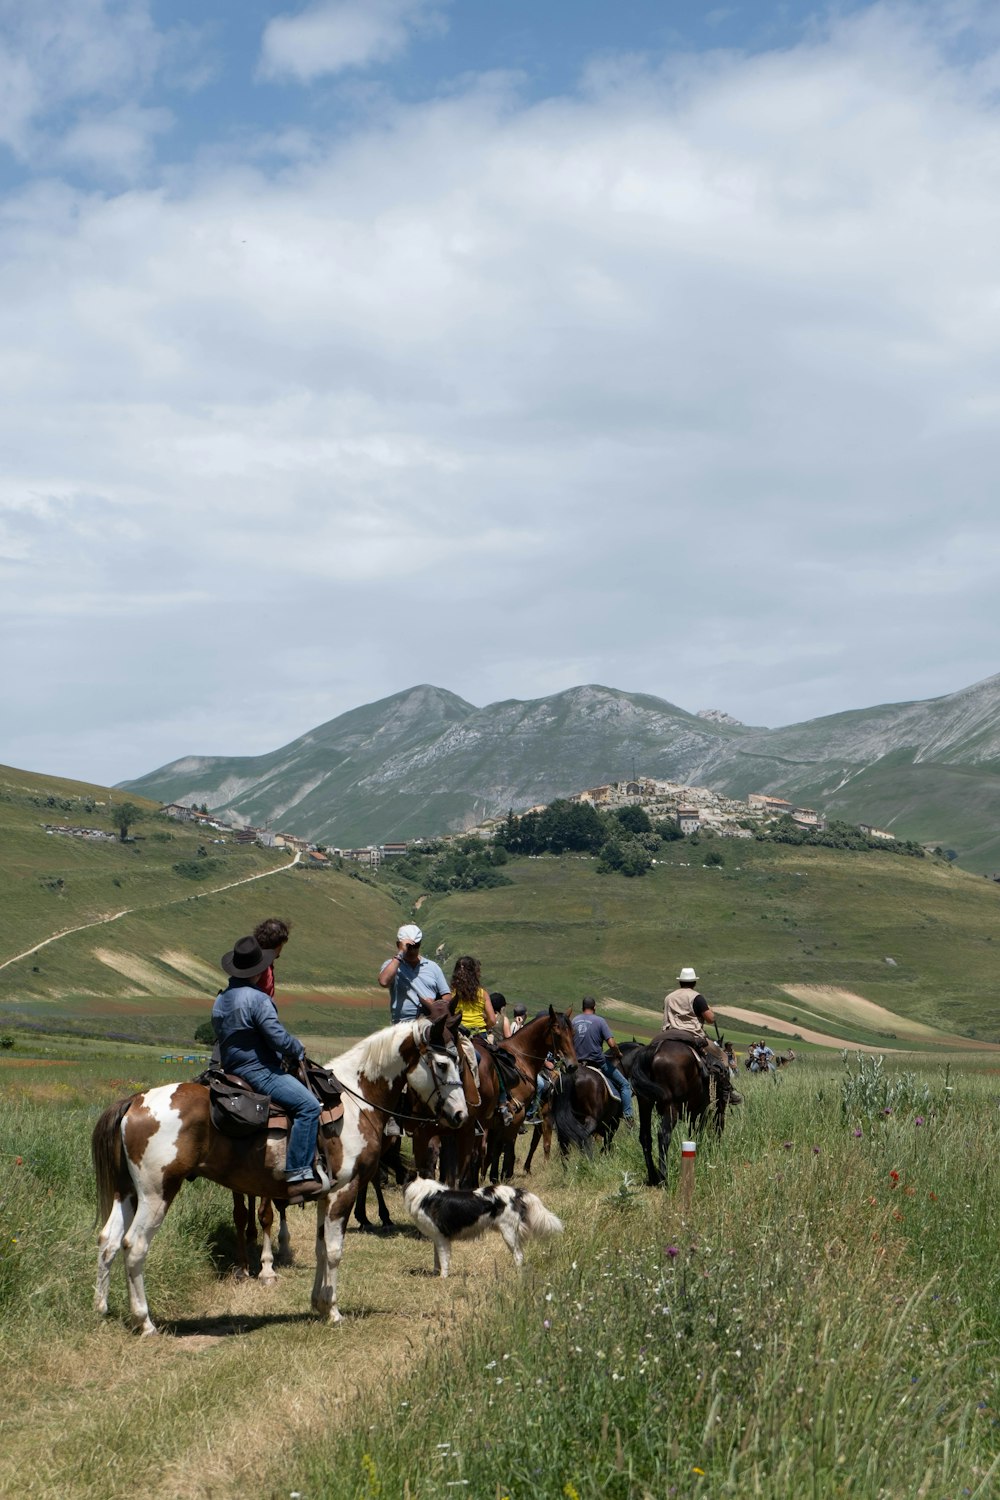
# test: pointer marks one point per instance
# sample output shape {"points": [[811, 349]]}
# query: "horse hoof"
{"points": [[267, 1279]]}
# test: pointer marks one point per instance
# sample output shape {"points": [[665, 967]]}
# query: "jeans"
{"points": [[303, 1107], [621, 1083]]}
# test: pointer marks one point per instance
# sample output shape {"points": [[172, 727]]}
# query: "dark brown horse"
{"points": [[668, 1077], [583, 1106], [465, 1152], [246, 1235]]}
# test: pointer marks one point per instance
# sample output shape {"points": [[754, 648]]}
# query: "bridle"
{"points": [[430, 1054]]}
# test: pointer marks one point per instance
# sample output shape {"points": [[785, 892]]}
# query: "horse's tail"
{"points": [[106, 1153], [643, 1082], [568, 1128], [538, 1220]]}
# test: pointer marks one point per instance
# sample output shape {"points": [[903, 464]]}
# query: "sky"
{"points": [[363, 343]]}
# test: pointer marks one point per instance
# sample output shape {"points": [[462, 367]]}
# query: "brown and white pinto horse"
{"points": [[145, 1147]]}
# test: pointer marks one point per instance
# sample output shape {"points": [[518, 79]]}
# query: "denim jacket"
{"points": [[245, 1020]]}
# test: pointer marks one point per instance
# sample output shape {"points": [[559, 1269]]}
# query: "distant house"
{"points": [[807, 817], [392, 851], [182, 814], [688, 820], [246, 835], [876, 833]]}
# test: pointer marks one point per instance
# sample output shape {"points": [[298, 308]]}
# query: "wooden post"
{"points": [[688, 1151]]}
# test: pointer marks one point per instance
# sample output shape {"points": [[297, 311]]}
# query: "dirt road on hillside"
{"points": [[129, 910]]}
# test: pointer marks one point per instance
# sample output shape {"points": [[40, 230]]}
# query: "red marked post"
{"points": [[689, 1150]]}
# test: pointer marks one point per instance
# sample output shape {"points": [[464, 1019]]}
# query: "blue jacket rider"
{"points": [[254, 1044]]}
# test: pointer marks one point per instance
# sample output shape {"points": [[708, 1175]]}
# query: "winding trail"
{"points": [[128, 910]]}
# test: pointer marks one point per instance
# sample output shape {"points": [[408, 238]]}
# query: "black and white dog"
{"points": [[444, 1214]]}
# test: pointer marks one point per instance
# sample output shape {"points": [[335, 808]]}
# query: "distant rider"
{"points": [[590, 1032], [685, 1010]]}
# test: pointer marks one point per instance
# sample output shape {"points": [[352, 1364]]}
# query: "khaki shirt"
{"points": [[678, 1012]]}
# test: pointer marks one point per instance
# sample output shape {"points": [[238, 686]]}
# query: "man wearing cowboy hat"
{"points": [[254, 1045], [685, 1010]]}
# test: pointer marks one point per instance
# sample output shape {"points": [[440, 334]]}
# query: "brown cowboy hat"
{"points": [[247, 959]]}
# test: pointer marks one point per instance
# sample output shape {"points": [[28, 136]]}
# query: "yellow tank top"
{"points": [[473, 1012]]}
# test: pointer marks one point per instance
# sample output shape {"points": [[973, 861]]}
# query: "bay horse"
{"points": [[145, 1147], [667, 1076], [584, 1106], [464, 1152]]}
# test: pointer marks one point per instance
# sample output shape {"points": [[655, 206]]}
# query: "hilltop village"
{"points": [[695, 809]]}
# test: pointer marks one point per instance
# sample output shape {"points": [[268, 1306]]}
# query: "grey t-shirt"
{"points": [[590, 1032], [412, 983]]}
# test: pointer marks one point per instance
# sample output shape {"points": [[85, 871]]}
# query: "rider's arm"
{"points": [[488, 1012], [389, 969], [702, 1009], [266, 1021]]}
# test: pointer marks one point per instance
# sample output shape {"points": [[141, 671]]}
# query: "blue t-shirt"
{"points": [[590, 1032], [412, 983]]}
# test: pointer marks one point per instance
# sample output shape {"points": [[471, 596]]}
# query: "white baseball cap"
{"points": [[409, 934], [687, 976]]}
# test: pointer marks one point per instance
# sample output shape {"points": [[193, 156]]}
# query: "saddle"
{"points": [[504, 1062], [238, 1111], [699, 1048]]}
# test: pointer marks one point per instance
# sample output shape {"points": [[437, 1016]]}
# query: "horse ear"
{"points": [[436, 1034], [552, 1014], [453, 1005]]}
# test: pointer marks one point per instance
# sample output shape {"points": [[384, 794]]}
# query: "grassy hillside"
{"points": [[770, 917], [787, 933]]}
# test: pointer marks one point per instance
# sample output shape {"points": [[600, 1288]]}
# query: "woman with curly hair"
{"points": [[474, 1004]]}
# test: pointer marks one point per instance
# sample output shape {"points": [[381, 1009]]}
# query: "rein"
{"points": [[395, 1114]]}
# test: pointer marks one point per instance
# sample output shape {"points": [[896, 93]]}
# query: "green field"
{"points": [[803, 936], [821, 1322]]}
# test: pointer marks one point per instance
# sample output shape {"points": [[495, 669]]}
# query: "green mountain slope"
{"points": [[425, 762]]}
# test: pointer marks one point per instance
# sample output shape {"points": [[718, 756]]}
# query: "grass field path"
{"points": [[128, 911]]}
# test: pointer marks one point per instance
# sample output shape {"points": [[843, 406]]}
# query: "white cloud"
{"points": [[333, 36], [685, 383]]}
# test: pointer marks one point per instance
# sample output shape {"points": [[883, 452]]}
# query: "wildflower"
{"points": [[696, 1470], [546, 1323], [919, 1120], [887, 1111], [815, 1151], [570, 1491], [673, 1252], [910, 1191], [787, 1145], [858, 1133], [894, 1178], [933, 1197]]}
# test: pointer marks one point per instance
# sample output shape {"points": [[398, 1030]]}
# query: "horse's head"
{"points": [[561, 1035], [434, 1076]]}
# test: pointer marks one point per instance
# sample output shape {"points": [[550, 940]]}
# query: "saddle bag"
{"points": [[235, 1108]]}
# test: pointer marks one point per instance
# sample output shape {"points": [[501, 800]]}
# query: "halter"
{"points": [[438, 1093]]}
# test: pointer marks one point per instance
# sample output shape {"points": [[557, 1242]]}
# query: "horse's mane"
{"points": [[374, 1054]]}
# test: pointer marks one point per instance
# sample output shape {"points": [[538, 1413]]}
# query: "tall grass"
{"points": [[821, 1323]]}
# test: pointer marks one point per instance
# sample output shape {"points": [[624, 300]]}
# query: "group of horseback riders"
{"points": [[253, 1044]]}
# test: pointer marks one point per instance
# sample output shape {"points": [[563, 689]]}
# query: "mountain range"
{"points": [[425, 762]]}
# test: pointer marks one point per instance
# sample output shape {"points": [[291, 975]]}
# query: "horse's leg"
{"points": [[653, 1177], [536, 1136], [242, 1215], [361, 1209], [331, 1224], [668, 1119], [384, 1216], [149, 1215], [265, 1212], [108, 1245], [284, 1256], [509, 1149]]}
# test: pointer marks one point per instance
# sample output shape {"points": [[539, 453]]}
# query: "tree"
{"points": [[125, 815], [204, 1034], [634, 818]]}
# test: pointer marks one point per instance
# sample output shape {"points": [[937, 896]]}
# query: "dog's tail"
{"points": [[537, 1218]]}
